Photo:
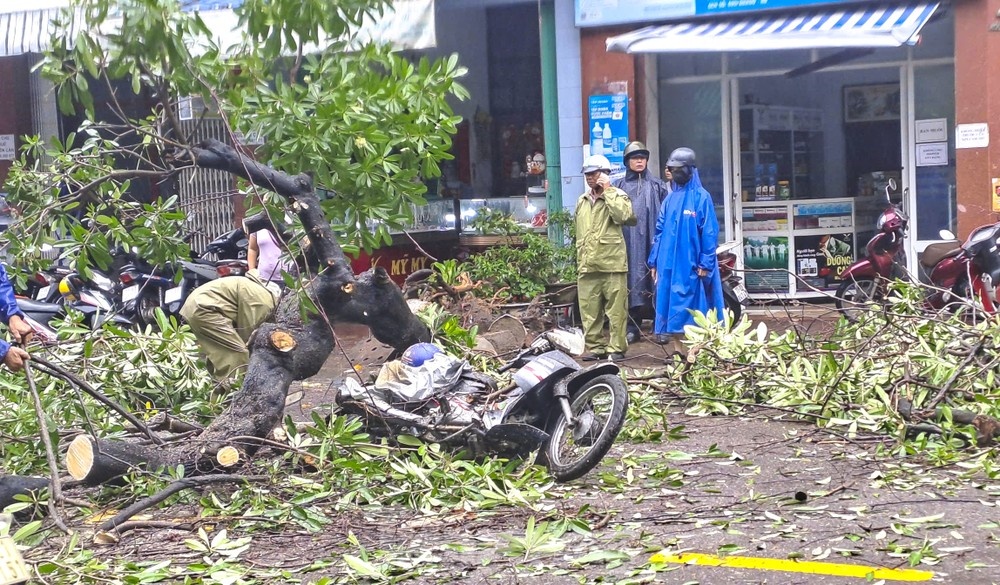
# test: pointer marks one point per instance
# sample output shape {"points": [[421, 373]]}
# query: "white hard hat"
{"points": [[596, 162]]}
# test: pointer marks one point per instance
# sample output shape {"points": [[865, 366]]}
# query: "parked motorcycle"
{"points": [[965, 273], [42, 316], [867, 279], [146, 287], [44, 285], [569, 413], [733, 292]]}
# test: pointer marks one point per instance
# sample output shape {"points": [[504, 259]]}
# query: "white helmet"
{"points": [[596, 162]]}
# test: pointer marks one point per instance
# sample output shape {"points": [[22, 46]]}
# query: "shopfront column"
{"points": [[977, 101]]}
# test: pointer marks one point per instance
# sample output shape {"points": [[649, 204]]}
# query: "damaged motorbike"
{"points": [[569, 414]]}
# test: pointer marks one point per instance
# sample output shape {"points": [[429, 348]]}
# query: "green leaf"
{"points": [[601, 556], [362, 567]]}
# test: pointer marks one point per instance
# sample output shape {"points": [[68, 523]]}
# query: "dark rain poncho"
{"points": [[646, 193], [687, 234]]}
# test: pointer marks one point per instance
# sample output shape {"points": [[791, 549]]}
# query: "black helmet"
{"points": [[636, 148], [681, 157]]}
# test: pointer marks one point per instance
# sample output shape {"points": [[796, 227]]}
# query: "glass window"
{"points": [[934, 98], [749, 61], [689, 64], [937, 38], [691, 115]]}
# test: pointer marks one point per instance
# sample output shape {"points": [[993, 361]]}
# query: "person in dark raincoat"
{"points": [[683, 260], [646, 192]]}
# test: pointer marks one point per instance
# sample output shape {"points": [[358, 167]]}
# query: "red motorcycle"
{"points": [[965, 274], [866, 280]]}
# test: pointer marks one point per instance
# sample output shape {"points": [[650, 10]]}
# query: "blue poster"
{"points": [[609, 129], [606, 12]]}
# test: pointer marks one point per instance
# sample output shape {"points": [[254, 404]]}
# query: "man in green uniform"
{"points": [[601, 261], [223, 313]]}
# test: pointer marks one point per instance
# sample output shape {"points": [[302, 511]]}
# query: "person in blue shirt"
{"points": [[684, 266], [13, 356]]}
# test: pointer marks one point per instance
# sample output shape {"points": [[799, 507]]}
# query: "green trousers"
{"points": [[222, 315], [604, 294]]}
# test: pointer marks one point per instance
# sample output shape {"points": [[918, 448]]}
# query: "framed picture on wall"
{"points": [[871, 103]]}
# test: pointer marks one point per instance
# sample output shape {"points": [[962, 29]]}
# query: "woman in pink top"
{"points": [[264, 254]]}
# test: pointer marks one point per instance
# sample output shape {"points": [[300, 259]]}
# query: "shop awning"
{"points": [[409, 24], [872, 25]]}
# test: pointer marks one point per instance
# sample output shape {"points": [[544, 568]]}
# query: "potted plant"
{"points": [[527, 266]]}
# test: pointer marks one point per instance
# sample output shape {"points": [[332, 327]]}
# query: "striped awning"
{"points": [[27, 31], [876, 24], [409, 24]]}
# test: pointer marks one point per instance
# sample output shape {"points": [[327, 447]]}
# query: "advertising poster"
{"points": [[609, 129], [821, 259], [995, 193], [766, 261]]}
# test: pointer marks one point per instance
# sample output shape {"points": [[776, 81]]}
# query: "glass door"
{"points": [[931, 202], [691, 115]]}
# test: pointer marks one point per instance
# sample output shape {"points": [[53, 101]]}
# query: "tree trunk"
{"points": [[287, 349]]}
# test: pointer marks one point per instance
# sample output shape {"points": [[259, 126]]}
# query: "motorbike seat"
{"points": [[935, 253], [33, 306]]}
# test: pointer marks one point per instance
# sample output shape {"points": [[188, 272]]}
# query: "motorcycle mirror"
{"points": [[947, 235], [567, 340], [889, 187]]}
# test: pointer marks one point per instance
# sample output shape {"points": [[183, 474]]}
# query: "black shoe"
{"points": [[662, 339], [617, 356], [631, 337], [593, 357]]}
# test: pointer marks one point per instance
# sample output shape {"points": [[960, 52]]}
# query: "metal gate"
{"points": [[206, 195]]}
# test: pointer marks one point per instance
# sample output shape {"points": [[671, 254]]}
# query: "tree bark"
{"points": [[16, 485], [258, 406]]}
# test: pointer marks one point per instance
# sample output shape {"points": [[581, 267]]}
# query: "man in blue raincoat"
{"points": [[683, 262], [12, 356]]}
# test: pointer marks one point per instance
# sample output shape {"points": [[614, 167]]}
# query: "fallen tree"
{"points": [[292, 347], [361, 121]]}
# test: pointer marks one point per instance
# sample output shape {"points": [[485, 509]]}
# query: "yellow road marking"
{"points": [[793, 566]]}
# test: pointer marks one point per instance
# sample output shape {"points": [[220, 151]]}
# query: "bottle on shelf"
{"points": [[597, 139]]}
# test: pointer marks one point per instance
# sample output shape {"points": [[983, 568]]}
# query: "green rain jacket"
{"points": [[600, 245]]}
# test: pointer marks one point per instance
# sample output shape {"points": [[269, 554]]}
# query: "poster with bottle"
{"points": [[609, 129], [821, 259], [766, 261]]}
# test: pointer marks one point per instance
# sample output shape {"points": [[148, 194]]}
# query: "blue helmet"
{"points": [[418, 353]]}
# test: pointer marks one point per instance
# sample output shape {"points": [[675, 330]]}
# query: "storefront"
{"points": [[800, 117]]}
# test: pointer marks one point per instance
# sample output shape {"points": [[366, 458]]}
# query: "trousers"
{"points": [[604, 294], [222, 314]]}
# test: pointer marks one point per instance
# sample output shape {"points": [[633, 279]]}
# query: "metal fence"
{"points": [[205, 195]]}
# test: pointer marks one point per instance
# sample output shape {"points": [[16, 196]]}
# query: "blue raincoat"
{"points": [[8, 306], [687, 234]]}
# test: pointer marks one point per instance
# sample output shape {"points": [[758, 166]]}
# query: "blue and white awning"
{"points": [[878, 24], [408, 24]]}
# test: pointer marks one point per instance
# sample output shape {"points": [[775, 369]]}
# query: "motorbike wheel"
{"points": [[967, 304], [599, 410], [734, 307], [145, 308], [854, 296]]}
